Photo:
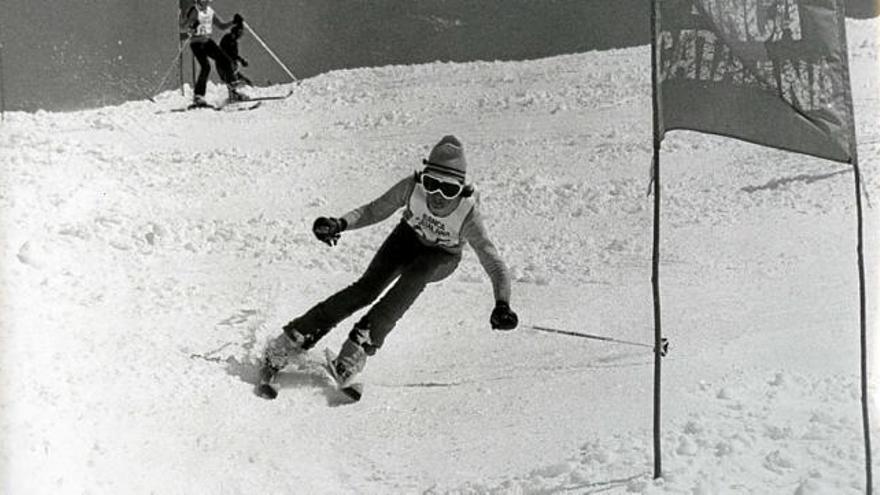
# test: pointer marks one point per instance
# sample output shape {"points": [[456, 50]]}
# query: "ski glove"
{"points": [[244, 63], [237, 19], [327, 229], [503, 318]]}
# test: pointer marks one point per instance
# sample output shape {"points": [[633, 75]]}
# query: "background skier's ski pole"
{"points": [[270, 52], [170, 68], [180, 64], [664, 343], [2, 94]]}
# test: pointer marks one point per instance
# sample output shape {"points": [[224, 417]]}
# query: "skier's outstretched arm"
{"points": [[475, 233], [221, 24], [382, 207], [328, 229], [473, 230]]}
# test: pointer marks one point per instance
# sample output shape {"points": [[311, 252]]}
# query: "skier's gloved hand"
{"points": [[503, 318], [327, 229], [244, 63], [237, 19]]}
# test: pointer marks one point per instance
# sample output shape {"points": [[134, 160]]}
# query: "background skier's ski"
{"points": [[275, 97], [225, 107]]}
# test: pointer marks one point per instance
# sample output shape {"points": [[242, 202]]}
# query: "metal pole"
{"points": [[663, 350], [866, 424], [588, 336], [655, 282], [860, 252], [655, 261], [271, 53]]}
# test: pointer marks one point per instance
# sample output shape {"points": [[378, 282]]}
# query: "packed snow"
{"points": [[147, 256]]}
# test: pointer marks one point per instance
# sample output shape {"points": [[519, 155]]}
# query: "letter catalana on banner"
{"points": [[772, 72]]}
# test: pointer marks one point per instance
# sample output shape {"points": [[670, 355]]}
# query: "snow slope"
{"points": [[148, 255]]}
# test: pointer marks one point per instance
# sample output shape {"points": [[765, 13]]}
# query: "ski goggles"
{"points": [[448, 188]]}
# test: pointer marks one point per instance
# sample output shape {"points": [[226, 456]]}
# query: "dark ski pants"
{"points": [[403, 257], [203, 50]]}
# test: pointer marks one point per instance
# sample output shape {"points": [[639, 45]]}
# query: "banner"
{"points": [[772, 72]]}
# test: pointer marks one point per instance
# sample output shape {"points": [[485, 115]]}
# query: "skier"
{"points": [[229, 45], [200, 21], [441, 212]]}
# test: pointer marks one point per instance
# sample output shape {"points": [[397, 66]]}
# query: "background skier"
{"points": [[441, 212], [200, 21], [229, 45]]}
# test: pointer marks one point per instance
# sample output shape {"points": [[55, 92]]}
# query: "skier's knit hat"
{"points": [[447, 157]]}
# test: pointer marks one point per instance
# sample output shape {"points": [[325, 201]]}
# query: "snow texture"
{"points": [[147, 257]]}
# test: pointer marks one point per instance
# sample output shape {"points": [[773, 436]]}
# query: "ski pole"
{"points": [[270, 52], [180, 66], [2, 94], [170, 68], [664, 343]]}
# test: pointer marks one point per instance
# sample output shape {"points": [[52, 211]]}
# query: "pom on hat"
{"points": [[447, 157]]}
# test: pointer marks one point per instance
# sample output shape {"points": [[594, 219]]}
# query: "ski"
{"points": [[266, 391], [226, 107], [206, 106], [275, 97], [353, 391], [238, 106], [232, 106]]}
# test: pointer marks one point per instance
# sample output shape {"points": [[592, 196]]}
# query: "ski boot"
{"points": [[345, 367], [280, 352], [199, 101], [236, 96]]}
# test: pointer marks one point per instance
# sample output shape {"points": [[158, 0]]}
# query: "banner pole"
{"points": [[655, 258], [866, 424], [271, 53], [655, 283], [840, 8]]}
